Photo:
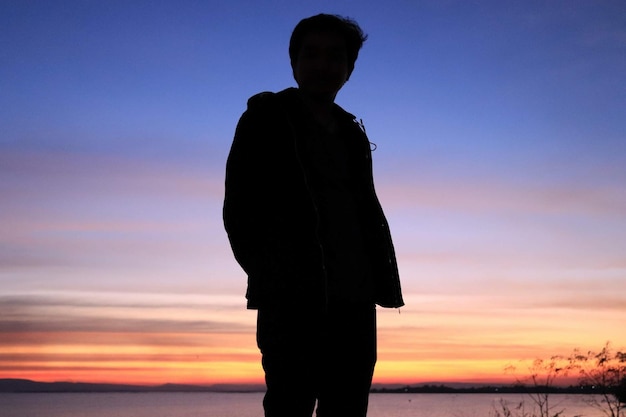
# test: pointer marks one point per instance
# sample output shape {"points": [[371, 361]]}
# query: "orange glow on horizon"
{"points": [[148, 366], [172, 340]]}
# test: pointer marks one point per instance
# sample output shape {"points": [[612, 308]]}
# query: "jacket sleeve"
{"points": [[387, 282], [244, 219]]}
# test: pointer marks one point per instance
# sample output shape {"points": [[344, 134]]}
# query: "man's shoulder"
{"points": [[269, 110], [343, 114], [261, 99], [269, 99]]}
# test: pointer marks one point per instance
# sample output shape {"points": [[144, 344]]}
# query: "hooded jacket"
{"points": [[271, 215]]}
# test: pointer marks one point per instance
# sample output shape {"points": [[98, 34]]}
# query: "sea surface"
{"points": [[249, 405]]}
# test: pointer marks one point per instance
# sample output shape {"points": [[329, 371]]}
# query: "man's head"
{"points": [[323, 50]]}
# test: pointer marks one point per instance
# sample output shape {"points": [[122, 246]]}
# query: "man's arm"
{"points": [[244, 218]]}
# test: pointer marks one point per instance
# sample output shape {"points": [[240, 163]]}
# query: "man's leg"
{"points": [[286, 342], [349, 360]]}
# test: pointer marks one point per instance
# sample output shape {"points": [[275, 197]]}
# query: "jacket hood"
{"points": [[287, 98]]}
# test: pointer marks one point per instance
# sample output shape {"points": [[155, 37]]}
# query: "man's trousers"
{"points": [[325, 355]]}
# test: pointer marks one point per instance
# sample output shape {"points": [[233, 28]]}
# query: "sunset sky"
{"points": [[501, 164]]}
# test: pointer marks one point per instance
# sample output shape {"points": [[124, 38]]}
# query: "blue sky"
{"points": [[501, 134]]}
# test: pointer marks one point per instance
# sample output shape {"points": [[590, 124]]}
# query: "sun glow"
{"points": [[183, 339]]}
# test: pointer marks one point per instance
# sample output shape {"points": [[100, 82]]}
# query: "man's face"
{"points": [[321, 67]]}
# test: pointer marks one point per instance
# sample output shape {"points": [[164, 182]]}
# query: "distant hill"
{"points": [[25, 385], [28, 386]]}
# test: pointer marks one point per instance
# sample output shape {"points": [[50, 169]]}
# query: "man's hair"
{"points": [[343, 26]]}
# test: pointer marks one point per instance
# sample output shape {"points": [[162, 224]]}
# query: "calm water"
{"points": [[249, 405]]}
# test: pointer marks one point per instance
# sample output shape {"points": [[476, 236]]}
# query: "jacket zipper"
{"points": [[317, 215]]}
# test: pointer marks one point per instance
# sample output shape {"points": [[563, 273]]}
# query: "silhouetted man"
{"points": [[305, 224]]}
